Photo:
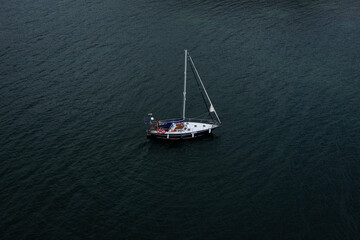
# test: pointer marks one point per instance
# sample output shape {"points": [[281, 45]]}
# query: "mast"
{"points": [[186, 54], [212, 109]]}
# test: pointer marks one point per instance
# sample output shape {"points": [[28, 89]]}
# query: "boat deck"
{"points": [[183, 128]]}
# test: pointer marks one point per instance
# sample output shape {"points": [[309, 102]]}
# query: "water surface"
{"points": [[77, 78]]}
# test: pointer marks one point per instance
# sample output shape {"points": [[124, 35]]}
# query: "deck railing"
{"points": [[210, 121]]}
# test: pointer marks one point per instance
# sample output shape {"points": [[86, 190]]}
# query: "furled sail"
{"points": [[212, 109]]}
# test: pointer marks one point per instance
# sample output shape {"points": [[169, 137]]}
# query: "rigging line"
{"points": [[202, 95], [207, 95]]}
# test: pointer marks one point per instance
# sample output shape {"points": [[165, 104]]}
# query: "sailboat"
{"points": [[185, 128]]}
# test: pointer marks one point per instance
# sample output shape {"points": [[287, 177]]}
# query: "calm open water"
{"points": [[77, 78]]}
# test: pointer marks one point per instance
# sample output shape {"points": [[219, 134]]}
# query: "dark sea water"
{"points": [[77, 78]]}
